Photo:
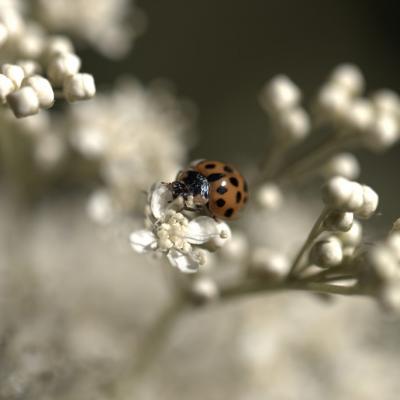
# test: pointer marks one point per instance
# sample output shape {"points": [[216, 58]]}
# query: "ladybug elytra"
{"points": [[212, 184]]}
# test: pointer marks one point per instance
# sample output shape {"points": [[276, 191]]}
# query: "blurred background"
{"points": [[77, 304], [219, 54]]}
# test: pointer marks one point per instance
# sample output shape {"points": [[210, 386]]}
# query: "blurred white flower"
{"points": [[110, 26]]}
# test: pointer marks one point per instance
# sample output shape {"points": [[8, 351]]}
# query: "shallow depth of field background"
{"points": [[219, 53]]}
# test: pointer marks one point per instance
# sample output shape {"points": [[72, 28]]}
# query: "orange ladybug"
{"points": [[218, 186]]}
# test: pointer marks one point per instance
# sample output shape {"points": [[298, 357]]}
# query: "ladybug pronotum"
{"points": [[218, 186]]}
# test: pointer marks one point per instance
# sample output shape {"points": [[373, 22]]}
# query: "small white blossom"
{"points": [[343, 164], [269, 264], [350, 77], [6, 87], [62, 67], [79, 87], [43, 89], [13, 72], [339, 221], [269, 196], [24, 102], [173, 234]]}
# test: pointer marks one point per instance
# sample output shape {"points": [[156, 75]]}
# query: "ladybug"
{"points": [[212, 184]]}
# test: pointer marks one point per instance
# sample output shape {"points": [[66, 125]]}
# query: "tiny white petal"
{"points": [[142, 240], [184, 262], [201, 230], [160, 198]]}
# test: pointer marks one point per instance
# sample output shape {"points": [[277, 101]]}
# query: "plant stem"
{"points": [[316, 230]]}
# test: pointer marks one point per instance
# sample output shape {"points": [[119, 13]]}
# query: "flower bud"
{"points": [[339, 221], [359, 115], [352, 237], [295, 124], [269, 196], [57, 46], [204, 289], [63, 66], [23, 102], [370, 203], [6, 87], [343, 164], [13, 72], [30, 67], [43, 89], [386, 101], [383, 133], [349, 77], [337, 192], [269, 264], [333, 101], [79, 87], [327, 253], [280, 93]]}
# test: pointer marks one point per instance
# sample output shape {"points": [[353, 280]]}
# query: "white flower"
{"points": [[173, 234]]}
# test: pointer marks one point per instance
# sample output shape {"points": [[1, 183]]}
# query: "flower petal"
{"points": [[160, 198], [201, 229], [184, 262], [142, 241]]}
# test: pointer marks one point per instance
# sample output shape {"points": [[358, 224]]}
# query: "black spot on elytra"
{"points": [[234, 181], [222, 190], [238, 197], [214, 177], [227, 168], [210, 166], [245, 187], [228, 212], [220, 202]]}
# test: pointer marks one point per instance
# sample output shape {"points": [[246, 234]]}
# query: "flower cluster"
{"points": [[36, 66], [110, 26], [182, 237], [135, 135]]}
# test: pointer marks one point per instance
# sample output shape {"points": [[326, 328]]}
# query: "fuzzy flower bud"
{"points": [[79, 87], [333, 101], [13, 72], [56, 46], [24, 102], [339, 221], [343, 164], [337, 192], [352, 237], [6, 87], [203, 290], [280, 94], [63, 66], [349, 77], [359, 115], [269, 196], [43, 89], [386, 101], [295, 124], [370, 203], [327, 253], [383, 133], [269, 264], [30, 67]]}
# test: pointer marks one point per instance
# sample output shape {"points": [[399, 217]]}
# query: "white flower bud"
{"points": [[12, 21], [327, 253], [343, 164], [370, 203], [269, 196], [333, 101], [351, 238], [100, 207], [79, 87], [30, 67], [204, 289], [43, 89], [63, 66], [295, 124], [13, 72], [349, 77], [56, 46], [23, 102], [6, 87], [337, 192], [383, 133], [3, 34], [356, 200], [31, 44], [359, 115], [223, 238], [270, 264], [280, 93], [383, 261], [339, 221], [386, 101]]}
